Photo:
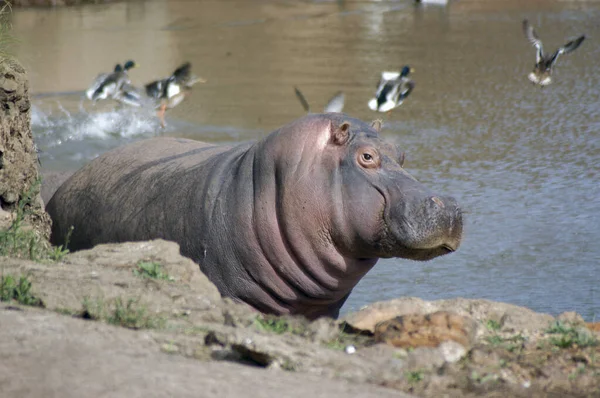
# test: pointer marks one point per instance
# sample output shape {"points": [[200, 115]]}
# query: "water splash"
{"points": [[55, 127], [73, 131]]}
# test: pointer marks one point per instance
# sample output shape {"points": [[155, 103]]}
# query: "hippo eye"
{"points": [[368, 159]]}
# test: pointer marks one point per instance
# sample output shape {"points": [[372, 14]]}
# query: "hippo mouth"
{"points": [[448, 248], [393, 248], [425, 254]]}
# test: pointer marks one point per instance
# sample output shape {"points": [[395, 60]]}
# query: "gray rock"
{"points": [[49, 355], [18, 158]]}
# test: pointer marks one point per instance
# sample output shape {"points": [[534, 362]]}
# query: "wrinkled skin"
{"points": [[288, 224]]}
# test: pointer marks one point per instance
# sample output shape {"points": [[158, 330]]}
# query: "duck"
{"points": [[169, 92], [542, 71], [392, 90], [334, 105], [437, 2], [109, 85]]}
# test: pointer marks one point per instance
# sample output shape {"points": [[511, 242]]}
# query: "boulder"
{"points": [[18, 157]]}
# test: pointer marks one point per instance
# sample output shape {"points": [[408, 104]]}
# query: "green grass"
{"points": [[493, 325], [414, 376], [578, 371], [129, 314], [18, 290], [22, 241], [152, 270], [132, 316], [476, 377], [275, 325], [566, 336], [343, 340], [92, 309], [512, 343]]}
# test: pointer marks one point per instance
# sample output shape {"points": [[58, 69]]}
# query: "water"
{"points": [[523, 162]]}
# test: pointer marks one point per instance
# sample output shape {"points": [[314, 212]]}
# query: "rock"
{"points": [[452, 351], [512, 317], [49, 355], [593, 326], [18, 158], [571, 317], [426, 330], [106, 272], [426, 358]]}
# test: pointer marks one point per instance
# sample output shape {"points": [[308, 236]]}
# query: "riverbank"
{"points": [[131, 312]]}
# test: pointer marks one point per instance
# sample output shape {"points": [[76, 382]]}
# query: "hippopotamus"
{"points": [[288, 224]]}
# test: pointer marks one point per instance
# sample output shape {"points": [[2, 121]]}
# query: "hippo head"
{"points": [[367, 203], [389, 213]]}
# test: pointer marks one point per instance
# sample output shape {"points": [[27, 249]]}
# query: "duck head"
{"points": [[129, 65], [406, 70]]}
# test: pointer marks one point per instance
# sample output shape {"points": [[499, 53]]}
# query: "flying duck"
{"points": [[109, 85], [335, 104], [392, 89], [544, 63]]}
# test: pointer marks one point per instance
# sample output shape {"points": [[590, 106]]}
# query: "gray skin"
{"points": [[289, 224]]}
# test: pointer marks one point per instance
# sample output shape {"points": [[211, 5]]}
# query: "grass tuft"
{"points": [[274, 325], [493, 325], [512, 343], [414, 376], [152, 270], [566, 336], [18, 290], [22, 241], [127, 314]]}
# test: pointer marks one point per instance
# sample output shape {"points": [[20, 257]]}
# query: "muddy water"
{"points": [[524, 162]]}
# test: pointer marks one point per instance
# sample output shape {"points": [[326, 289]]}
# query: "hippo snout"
{"points": [[427, 227], [447, 215]]}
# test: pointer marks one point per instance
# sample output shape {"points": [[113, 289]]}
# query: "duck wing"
{"points": [[110, 86], [98, 81], [130, 95], [302, 99], [406, 87], [336, 103], [156, 89], [567, 48], [572, 45], [534, 39], [183, 74]]}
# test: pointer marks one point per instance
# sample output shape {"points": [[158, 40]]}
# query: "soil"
{"points": [[181, 324]]}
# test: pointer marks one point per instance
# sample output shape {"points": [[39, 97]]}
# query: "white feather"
{"points": [[173, 90], [373, 104], [388, 106], [386, 75]]}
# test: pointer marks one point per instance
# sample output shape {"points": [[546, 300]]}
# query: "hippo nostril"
{"points": [[438, 201]]}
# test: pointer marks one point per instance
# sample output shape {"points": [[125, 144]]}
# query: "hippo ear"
{"points": [[376, 124], [340, 134]]}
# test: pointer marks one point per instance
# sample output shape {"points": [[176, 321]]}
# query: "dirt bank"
{"points": [[18, 157], [182, 324]]}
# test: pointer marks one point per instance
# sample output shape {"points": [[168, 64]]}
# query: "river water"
{"points": [[524, 162]]}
